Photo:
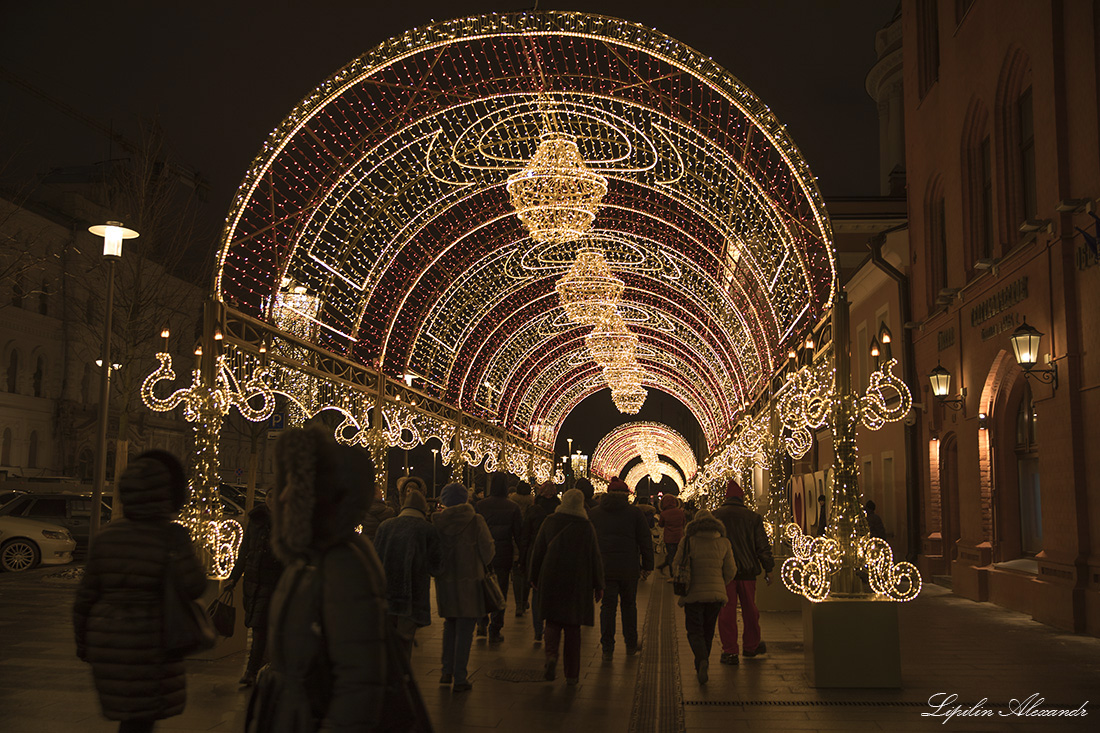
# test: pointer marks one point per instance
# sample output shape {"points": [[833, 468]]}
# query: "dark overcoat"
{"points": [[409, 548], [745, 531], [258, 567], [566, 568], [625, 540], [467, 549], [118, 616]]}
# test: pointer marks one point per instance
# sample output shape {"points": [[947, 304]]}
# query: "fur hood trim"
{"points": [[704, 522]]}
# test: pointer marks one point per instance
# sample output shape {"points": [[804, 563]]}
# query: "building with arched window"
{"points": [[1004, 176]]}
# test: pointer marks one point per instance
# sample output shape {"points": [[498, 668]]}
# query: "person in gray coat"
{"points": [[467, 548]]}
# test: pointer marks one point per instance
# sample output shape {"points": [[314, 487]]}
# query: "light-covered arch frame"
{"points": [[628, 442], [383, 195]]}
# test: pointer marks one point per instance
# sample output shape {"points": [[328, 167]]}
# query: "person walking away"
{"points": [[118, 616], [874, 521], [409, 548], [261, 570], [822, 517], [545, 504], [521, 589], [672, 520], [567, 569], [330, 666], [467, 548], [753, 555], [505, 522], [626, 548], [378, 512], [585, 486], [708, 551]]}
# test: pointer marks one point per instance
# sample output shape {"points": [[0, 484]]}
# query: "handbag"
{"points": [[223, 614], [682, 580], [490, 589], [187, 628]]}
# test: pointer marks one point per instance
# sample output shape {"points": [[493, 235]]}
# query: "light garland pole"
{"points": [[113, 234]]}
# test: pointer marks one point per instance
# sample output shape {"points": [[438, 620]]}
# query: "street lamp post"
{"points": [[435, 452], [113, 234]]}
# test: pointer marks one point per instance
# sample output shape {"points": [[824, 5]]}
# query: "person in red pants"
{"points": [[753, 555]]}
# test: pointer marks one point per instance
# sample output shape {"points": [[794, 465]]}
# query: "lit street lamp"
{"points": [[113, 234]]}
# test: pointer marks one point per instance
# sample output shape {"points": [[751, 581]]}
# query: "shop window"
{"points": [[1027, 465]]}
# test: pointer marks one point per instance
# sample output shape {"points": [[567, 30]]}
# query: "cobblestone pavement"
{"points": [[948, 645]]}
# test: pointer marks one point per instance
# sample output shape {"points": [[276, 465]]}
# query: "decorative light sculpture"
{"points": [[612, 343], [624, 377], [630, 400], [589, 292], [556, 195]]}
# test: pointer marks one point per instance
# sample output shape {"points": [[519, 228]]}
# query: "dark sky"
{"points": [[220, 75]]}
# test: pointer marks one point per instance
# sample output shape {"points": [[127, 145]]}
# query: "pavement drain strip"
{"points": [[657, 696]]}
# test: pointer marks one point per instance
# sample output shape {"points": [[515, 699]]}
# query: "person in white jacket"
{"points": [[708, 551]]}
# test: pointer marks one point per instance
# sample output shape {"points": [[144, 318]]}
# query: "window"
{"points": [[1027, 156], [985, 235], [20, 507], [90, 308], [13, 371], [868, 477], [32, 450], [39, 372], [862, 349], [17, 292], [937, 263], [5, 448], [1027, 465], [85, 465], [886, 509], [44, 299], [86, 385], [47, 508], [928, 45]]}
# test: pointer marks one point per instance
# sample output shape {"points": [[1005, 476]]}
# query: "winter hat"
{"points": [[153, 486], [405, 483], [572, 502], [498, 484], [523, 488], [734, 489], [548, 490], [453, 495], [415, 500], [586, 488], [617, 484]]}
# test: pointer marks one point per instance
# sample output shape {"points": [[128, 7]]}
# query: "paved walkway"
{"points": [[948, 645]]}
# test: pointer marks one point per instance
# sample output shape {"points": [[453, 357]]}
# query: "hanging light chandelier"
{"points": [[612, 343], [556, 195], [628, 401], [589, 292], [624, 375]]}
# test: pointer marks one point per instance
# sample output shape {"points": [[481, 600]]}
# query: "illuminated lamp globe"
{"points": [[1025, 345], [940, 379], [589, 292], [612, 343], [556, 196]]}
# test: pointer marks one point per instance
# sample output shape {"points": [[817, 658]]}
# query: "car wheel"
{"points": [[18, 554]]}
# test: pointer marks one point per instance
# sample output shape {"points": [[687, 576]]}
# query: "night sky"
{"points": [[219, 76]]}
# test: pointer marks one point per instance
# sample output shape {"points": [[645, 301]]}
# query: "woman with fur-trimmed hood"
{"points": [[329, 667], [712, 566]]}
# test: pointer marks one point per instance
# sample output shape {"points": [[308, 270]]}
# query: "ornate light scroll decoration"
{"points": [[229, 390], [477, 447], [556, 195], [589, 293], [884, 389]]}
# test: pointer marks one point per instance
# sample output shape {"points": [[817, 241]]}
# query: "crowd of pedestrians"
{"points": [[337, 584]]}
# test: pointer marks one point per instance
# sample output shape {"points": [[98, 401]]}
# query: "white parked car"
{"points": [[24, 543]]}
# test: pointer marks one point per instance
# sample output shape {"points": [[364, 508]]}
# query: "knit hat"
{"points": [[572, 502], [733, 489], [617, 484], [523, 488], [415, 500], [548, 490], [453, 495], [585, 486], [153, 486], [498, 484]]}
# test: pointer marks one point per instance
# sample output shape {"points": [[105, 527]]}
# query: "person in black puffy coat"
{"points": [[505, 521], [257, 564], [118, 615]]}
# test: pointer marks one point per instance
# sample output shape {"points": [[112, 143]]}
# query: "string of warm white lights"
{"points": [[654, 443]]}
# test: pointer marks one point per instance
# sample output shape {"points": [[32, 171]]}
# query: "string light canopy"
{"points": [[655, 443], [427, 202]]}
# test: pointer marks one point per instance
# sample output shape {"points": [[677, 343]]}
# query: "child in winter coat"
{"points": [[712, 566]]}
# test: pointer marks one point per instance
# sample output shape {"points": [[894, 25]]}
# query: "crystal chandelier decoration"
{"points": [[589, 292], [556, 195], [628, 401], [612, 344]]}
